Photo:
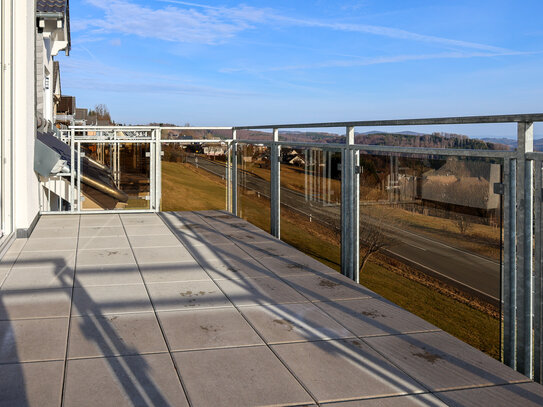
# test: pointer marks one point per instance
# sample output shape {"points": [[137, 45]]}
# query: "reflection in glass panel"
{"points": [[436, 223], [115, 176], [311, 202], [194, 176], [254, 171]]}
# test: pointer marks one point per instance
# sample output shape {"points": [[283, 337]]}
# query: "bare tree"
{"points": [[463, 223], [373, 239]]}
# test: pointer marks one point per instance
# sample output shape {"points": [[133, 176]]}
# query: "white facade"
{"points": [[52, 36], [19, 183]]}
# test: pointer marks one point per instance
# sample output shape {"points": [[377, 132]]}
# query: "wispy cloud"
{"points": [[347, 63], [92, 74], [183, 21], [208, 26], [389, 32]]}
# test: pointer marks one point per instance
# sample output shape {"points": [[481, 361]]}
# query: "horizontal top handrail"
{"points": [[511, 118]]}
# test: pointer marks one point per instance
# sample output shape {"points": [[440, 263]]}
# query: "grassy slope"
{"points": [[186, 188]]}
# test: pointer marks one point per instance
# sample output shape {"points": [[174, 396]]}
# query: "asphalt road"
{"points": [[469, 270]]}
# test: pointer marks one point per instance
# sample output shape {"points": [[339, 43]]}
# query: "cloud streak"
{"points": [[188, 22], [347, 63]]}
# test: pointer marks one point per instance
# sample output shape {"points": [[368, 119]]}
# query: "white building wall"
{"points": [[26, 181]]}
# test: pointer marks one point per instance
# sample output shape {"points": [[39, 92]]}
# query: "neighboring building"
{"points": [[66, 110], [52, 36]]}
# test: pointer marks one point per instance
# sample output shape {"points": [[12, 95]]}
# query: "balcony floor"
{"points": [[205, 309]]}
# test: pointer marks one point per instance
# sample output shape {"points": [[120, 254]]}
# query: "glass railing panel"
{"points": [[253, 173], [436, 224], [115, 176], [311, 202], [194, 176]]}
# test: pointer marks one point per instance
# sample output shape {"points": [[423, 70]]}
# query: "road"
{"points": [[468, 270]]}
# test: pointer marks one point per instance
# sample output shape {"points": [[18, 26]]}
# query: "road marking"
{"points": [[444, 275]]}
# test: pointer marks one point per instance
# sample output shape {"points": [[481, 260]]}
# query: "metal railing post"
{"points": [[72, 170], [234, 175], [158, 169], [509, 263], [349, 209], [524, 249], [538, 311], [275, 185], [79, 177]]}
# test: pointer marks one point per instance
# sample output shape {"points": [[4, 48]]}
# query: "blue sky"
{"points": [[260, 62]]}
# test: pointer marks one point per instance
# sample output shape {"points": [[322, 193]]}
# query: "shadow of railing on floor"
{"points": [[366, 361]]}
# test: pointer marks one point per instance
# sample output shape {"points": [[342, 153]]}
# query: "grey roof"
{"points": [[51, 6]]}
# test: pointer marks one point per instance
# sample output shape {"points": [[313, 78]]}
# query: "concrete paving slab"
{"points": [[31, 384], [206, 254], [149, 230], [52, 232], [247, 236], [165, 272], [344, 369], [154, 241], [141, 220], [238, 377], [233, 269], [329, 287], [25, 304], [419, 400], [146, 380], [32, 340], [259, 291], [35, 278], [374, 316], [106, 242], [206, 329], [202, 238], [525, 395], [51, 222], [105, 256], [187, 295], [153, 255], [114, 299], [118, 274], [293, 323], [269, 248], [101, 231], [442, 362], [100, 220], [296, 265], [115, 335], [59, 258], [46, 244]]}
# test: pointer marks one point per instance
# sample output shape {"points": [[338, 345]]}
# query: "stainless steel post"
{"points": [[524, 249], [509, 276], [275, 185], [158, 169], [349, 210], [537, 299], [234, 176], [72, 170]]}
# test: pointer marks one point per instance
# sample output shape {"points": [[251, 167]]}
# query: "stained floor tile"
{"points": [[338, 370], [238, 377], [293, 323], [203, 329], [31, 384], [143, 380]]}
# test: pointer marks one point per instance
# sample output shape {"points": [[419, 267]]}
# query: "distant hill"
{"points": [[538, 143], [400, 139]]}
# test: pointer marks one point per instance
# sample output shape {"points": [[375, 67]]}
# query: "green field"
{"points": [[187, 188]]}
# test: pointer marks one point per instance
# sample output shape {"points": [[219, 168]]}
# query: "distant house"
{"points": [[52, 36], [214, 151]]}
